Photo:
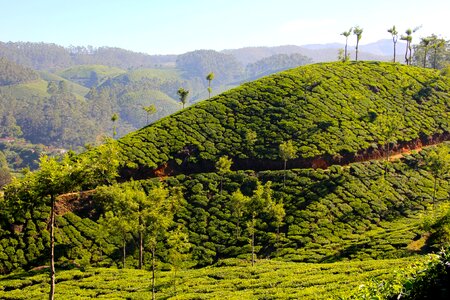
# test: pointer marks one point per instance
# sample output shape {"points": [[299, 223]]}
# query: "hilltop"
{"points": [[334, 113]]}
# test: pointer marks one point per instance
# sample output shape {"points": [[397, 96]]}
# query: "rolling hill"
{"points": [[333, 113], [341, 199]]}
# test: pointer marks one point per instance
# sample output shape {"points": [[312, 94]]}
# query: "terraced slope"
{"points": [[333, 112], [231, 279]]}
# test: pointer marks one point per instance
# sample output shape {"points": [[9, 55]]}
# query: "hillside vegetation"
{"points": [[336, 112], [165, 197], [230, 279]]}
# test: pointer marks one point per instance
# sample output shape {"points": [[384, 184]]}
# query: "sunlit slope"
{"points": [[329, 110]]}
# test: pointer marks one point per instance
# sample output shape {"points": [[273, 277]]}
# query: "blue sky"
{"points": [[178, 26]]}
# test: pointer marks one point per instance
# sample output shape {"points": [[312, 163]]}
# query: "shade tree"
{"points": [[394, 33], [357, 31]]}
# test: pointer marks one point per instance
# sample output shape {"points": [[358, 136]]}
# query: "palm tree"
{"points": [[393, 31], [346, 34], [210, 77], [183, 95], [358, 32]]}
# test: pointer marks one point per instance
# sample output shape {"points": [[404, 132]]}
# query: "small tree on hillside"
{"points": [[223, 166], [120, 213], [114, 118], [358, 32], [287, 151], [425, 44], [393, 31], [261, 201], [438, 163], [437, 44], [179, 247], [182, 93], [389, 124], [278, 213], [238, 203], [149, 110], [408, 39], [54, 178], [210, 77], [164, 206], [346, 34]]}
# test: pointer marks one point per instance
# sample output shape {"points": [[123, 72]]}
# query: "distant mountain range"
{"points": [[381, 50]]}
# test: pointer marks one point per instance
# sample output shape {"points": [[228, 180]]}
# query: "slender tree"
{"points": [[238, 203], [114, 118], [278, 212], [182, 93], [425, 44], [165, 204], [149, 110], [55, 178], [438, 163], [358, 32], [437, 44], [393, 31], [287, 151], [408, 39], [210, 77], [346, 34], [179, 247], [223, 166], [261, 201], [120, 213]]}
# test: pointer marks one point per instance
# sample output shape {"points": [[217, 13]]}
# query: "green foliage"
{"points": [[182, 93], [326, 109], [275, 63], [11, 73], [229, 279], [198, 63], [425, 280]]}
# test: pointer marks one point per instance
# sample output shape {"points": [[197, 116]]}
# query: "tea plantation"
{"points": [[320, 223]]}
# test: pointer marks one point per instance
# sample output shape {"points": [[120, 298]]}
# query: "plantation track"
{"points": [[397, 151]]}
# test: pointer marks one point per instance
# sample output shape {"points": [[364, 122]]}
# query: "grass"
{"points": [[229, 279]]}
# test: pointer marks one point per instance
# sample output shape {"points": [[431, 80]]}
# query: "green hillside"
{"points": [[333, 112], [230, 279], [174, 201], [90, 75]]}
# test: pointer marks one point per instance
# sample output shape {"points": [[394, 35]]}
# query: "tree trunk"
{"points": [[237, 229], [345, 52], [141, 242], [253, 239], [406, 53], [434, 194], [410, 54], [435, 59], [394, 51], [52, 249], [425, 58], [141, 250], [357, 44], [124, 252], [153, 273], [387, 161]]}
